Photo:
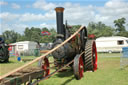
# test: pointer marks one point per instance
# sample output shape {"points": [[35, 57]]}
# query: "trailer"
{"points": [[111, 44]]}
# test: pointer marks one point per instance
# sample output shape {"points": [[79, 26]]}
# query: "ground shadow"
{"points": [[66, 73], [69, 80], [7, 62]]}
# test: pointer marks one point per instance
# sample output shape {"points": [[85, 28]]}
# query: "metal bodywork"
{"points": [[67, 52]]}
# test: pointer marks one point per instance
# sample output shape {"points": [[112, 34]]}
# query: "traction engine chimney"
{"points": [[59, 19]]}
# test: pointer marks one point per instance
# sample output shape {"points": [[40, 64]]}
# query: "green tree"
{"points": [[20, 38], [100, 29], [120, 24], [45, 29], [52, 35], [36, 36], [121, 31], [27, 34], [32, 34], [48, 38], [10, 36]]}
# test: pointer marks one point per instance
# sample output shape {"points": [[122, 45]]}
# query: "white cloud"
{"points": [[112, 10], [16, 27], [31, 17], [47, 25], [3, 3], [7, 17], [79, 14], [74, 13], [42, 4], [114, 7], [15, 6], [28, 17]]}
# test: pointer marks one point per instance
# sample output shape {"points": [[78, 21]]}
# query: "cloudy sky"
{"points": [[18, 14]]}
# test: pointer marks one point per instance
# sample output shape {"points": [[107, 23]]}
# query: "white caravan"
{"points": [[111, 44]]}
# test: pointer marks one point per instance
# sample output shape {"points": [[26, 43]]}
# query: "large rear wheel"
{"points": [[90, 56], [83, 38]]}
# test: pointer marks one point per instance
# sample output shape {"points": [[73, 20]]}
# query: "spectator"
{"points": [[1, 40]]}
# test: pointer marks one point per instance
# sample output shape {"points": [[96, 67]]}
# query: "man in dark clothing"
{"points": [[4, 53], [1, 40]]}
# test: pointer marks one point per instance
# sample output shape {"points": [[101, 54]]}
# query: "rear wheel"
{"points": [[83, 35], [78, 67], [90, 56]]}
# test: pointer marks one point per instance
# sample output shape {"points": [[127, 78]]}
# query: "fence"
{"points": [[124, 57], [33, 52]]}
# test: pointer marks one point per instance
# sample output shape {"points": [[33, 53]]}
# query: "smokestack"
{"points": [[59, 18]]}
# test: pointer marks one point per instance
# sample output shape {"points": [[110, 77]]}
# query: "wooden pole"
{"points": [[50, 51]]}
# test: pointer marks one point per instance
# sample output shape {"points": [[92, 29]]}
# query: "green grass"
{"points": [[13, 63], [109, 54], [108, 73]]}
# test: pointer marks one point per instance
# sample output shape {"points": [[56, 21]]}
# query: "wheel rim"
{"points": [[81, 67], [78, 67], [45, 67], [94, 54]]}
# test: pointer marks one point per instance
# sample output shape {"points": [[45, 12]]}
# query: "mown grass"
{"points": [[108, 73], [12, 64]]}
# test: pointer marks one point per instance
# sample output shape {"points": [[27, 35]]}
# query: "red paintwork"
{"points": [[95, 53], [10, 48], [45, 66], [91, 36], [45, 33], [81, 64]]}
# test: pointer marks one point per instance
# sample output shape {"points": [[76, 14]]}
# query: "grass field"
{"points": [[108, 73], [13, 63]]}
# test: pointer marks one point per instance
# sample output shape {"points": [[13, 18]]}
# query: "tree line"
{"points": [[34, 34], [100, 29], [30, 34]]}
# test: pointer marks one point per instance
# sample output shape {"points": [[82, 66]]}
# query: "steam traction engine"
{"points": [[69, 49], [79, 48]]}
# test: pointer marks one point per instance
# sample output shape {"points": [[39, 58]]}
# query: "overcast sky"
{"points": [[18, 14]]}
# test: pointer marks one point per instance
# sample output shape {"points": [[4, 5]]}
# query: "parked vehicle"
{"points": [[111, 44]]}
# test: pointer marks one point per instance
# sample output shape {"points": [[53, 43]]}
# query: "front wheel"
{"points": [[44, 64], [78, 67]]}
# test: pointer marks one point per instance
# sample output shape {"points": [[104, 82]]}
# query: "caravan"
{"points": [[111, 44]]}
